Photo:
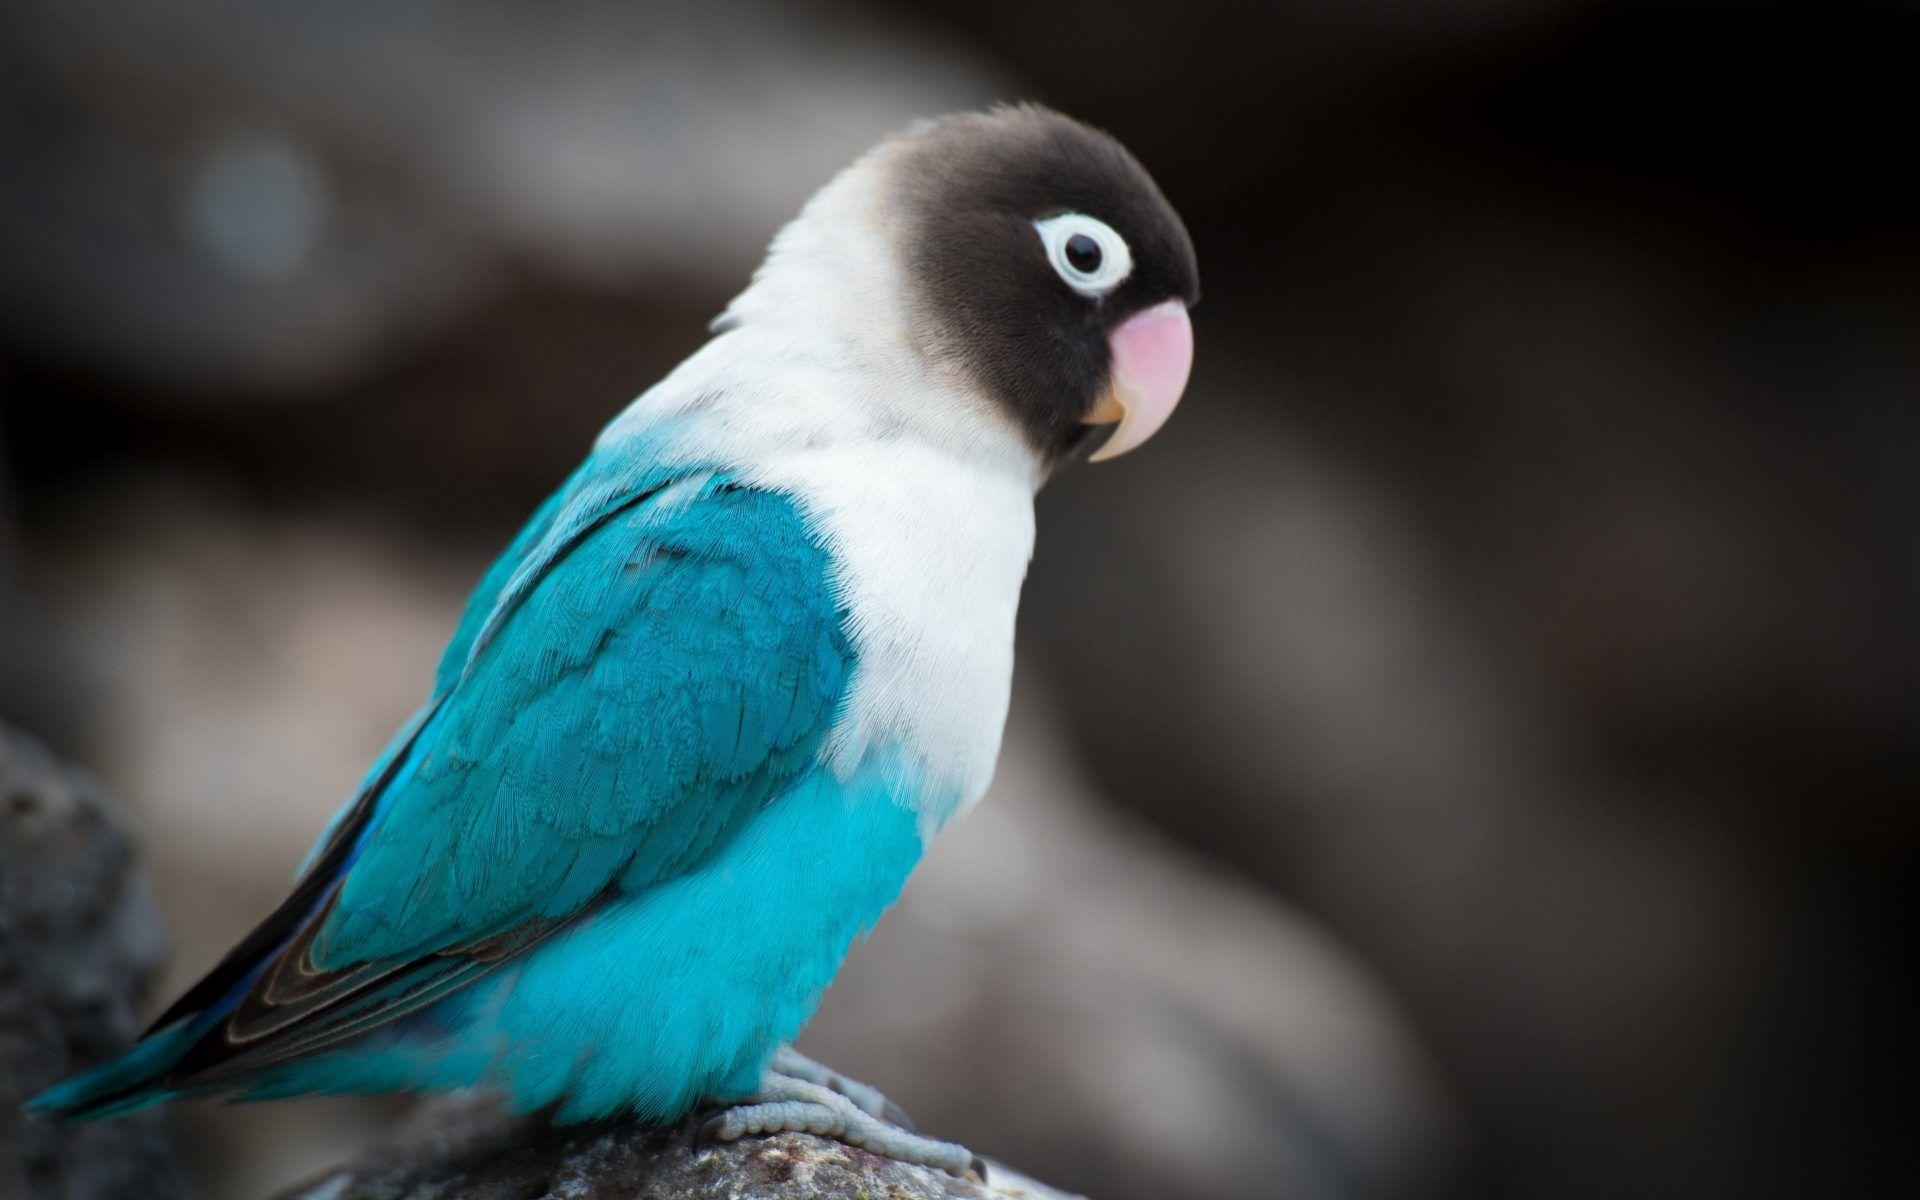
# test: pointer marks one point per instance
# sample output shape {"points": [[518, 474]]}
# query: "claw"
{"points": [[712, 1132], [978, 1167]]}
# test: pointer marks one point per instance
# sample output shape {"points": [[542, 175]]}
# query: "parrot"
{"points": [[702, 717]]}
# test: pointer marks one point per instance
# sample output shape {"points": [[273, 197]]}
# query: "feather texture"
{"points": [[683, 666], [653, 660]]}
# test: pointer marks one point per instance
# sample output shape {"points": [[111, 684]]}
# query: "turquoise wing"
{"points": [[635, 693], [653, 661]]}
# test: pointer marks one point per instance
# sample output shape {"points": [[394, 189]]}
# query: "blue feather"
{"points": [[624, 740], [671, 996], [117, 1087]]}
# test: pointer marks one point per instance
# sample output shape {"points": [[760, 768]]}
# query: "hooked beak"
{"points": [[1152, 355]]}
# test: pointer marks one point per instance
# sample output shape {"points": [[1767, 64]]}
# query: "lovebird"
{"points": [[699, 721]]}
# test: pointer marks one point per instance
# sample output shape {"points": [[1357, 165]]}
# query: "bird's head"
{"points": [[1041, 256], [1017, 250]]}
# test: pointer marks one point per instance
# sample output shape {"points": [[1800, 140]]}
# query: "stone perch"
{"points": [[79, 946], [466, 1149]]}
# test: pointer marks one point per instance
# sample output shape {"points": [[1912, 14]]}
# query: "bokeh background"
{"points": [[1471, 753]]}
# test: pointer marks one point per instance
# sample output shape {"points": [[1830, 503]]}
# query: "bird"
{"points": [[701, 718]]}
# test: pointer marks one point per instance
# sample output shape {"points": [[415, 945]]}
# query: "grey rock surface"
{"points": [[469, 1149], [79, 945]]}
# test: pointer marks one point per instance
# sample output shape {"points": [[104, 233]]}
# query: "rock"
{"points": [[467, 1148], [79, 945]]}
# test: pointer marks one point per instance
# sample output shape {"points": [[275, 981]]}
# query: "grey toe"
{"points": [[894, 1114], [785, 1104]]}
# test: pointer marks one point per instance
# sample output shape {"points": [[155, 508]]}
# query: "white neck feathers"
{"points": [[921, 490]]}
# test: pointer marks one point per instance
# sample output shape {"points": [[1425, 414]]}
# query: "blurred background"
{"points": [[1471, 753]]}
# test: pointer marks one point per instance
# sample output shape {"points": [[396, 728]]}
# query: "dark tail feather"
{"points": [[121, 1085], [141, 1076]]}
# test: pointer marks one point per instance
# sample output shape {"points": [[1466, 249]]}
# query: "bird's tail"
{"points": [[121, 1085]]}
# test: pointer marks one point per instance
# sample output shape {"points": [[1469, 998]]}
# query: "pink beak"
{"points": [[1152, 356]]}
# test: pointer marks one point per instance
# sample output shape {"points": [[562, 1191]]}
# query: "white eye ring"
{"points": [[1113, 264]]}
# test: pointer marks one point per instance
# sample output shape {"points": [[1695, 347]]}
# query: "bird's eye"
{"points": [[1085, 252]]}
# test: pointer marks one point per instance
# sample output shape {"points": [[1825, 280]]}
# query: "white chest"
{"points": [[921, 489], [930, 553]]}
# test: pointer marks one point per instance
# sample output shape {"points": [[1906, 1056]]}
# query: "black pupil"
{"points": [[1083, 254]]}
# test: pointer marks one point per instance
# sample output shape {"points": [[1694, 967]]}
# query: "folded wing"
{"points": [[652, 663]]}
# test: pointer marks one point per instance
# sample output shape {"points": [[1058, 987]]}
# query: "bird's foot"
{"points": [[788, 1105], [867, 1098]]}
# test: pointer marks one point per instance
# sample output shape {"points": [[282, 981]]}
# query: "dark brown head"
{"points": [[1043, 261]]}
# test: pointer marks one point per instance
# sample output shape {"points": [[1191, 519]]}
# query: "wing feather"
{"points": [[657, 661]]}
